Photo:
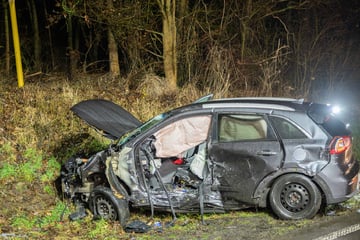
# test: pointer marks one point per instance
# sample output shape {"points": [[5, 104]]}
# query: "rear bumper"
{"points": [[337, 184]]}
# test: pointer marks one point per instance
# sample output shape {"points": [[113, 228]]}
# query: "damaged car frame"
{"points": [[215, 156]]}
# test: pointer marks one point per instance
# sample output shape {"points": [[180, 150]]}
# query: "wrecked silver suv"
{"points": [[215, 156]]}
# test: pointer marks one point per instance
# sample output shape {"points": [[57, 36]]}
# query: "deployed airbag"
{"points": [[181, 135]]}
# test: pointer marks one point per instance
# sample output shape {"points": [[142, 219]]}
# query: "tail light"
{"points": [[340, 144]]}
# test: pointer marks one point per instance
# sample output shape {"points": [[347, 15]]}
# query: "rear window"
{"points": [[335, 127], [286, 129], [322, 115]]}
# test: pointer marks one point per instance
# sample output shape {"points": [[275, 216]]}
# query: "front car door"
{"points": [[243, 150], [171, 161]]}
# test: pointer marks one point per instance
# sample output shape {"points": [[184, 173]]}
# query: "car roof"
{"points": [[247, 103], [269, 103]]}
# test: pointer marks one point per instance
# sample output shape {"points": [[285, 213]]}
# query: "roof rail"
{"points": [[295, 100], [247, 105]]}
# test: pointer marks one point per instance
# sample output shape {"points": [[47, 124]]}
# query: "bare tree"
{"points": [[112, 46], [167, 8], [49, 20], [69, 8], [36, 35], [7, 37]]}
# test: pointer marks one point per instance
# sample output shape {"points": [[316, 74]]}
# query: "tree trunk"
{"points": [[247, 11], [113, 49], [36, 35], [167, 8], [184, 42], [72, 53], [7, 38], [50, 39]]}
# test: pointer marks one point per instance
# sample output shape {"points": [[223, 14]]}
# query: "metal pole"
{"points": [[14, 26]]}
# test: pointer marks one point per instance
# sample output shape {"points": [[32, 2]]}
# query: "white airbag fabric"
{"points": [[181, 135]]}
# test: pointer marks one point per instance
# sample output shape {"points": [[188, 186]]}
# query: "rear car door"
{"points": [[242, 152]]}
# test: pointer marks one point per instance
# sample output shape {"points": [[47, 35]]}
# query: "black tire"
{"points": [[295, 196], [103, 203]]}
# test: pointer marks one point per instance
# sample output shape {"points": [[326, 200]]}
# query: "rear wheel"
{"points": [[103, 203], [295, 196]]}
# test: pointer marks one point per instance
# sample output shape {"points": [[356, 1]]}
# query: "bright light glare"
{"points": [[336, 109]]}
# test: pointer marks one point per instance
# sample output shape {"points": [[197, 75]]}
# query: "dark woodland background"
{"points": [[300, 48]]}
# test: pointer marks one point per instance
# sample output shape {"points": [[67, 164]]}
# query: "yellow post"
{"points": [[19, 70]]}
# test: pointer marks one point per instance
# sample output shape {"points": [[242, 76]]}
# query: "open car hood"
{"points": [[111, 119]]}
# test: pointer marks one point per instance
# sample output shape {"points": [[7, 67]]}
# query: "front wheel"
{"points": [[103, 203], [295, 196]]}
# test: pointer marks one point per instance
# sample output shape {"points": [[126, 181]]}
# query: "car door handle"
{"points": [[266, 153]]}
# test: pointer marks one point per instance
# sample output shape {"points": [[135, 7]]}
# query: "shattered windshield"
{"points": [[142, 128]]}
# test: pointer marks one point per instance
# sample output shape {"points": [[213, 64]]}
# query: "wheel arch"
{"points": [[118, 206], [295, 196], [262, 191]]}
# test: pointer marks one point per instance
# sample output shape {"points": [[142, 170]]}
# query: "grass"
{"points": [[356, 142], [7, 171], [32, 167], [38, 132]]}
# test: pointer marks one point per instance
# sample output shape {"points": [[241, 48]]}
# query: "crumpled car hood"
{"points": [[106, 116]]}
